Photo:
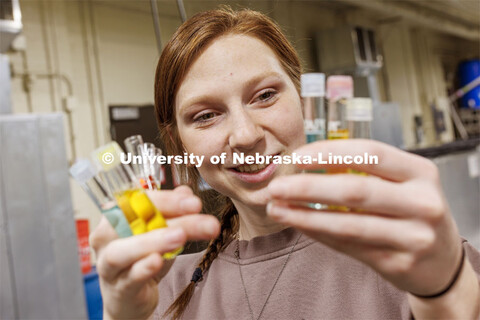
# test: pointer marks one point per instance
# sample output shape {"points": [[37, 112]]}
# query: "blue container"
{"points": [[93, 296], [468, 71]]}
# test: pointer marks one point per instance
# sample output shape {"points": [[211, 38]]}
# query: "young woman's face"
{"points": [[236, 98]]}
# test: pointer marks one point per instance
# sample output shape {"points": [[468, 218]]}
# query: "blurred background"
{"points": [[77, 74]]}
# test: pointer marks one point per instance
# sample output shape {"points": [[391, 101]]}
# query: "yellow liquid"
{"points": [[142, 215]]}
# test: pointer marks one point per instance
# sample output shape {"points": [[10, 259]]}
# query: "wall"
{"points": [[107, 51]]}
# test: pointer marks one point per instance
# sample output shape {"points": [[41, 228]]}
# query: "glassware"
{"points": [[85, 174], [139, 211]]}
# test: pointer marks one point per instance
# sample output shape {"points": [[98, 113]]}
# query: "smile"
{"points": [[254, 173], [251, 168]]}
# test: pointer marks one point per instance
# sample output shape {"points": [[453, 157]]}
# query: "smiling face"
{"points": [[236, 98]]}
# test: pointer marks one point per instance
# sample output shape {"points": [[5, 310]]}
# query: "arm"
{"points": [[462, 301], [401, 225], [130, 268]]}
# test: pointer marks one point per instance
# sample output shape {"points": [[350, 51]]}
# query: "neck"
{"points": [[254, 222]]}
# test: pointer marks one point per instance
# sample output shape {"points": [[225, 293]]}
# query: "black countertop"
{"points": [[448, 148]]}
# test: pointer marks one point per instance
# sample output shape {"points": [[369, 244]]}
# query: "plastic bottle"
{"points": [[339, 91], [313, 94], [359, 117]]}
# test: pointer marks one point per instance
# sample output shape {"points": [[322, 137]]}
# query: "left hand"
{"points": [[403, 230]]}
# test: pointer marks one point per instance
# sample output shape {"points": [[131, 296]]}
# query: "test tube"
{"points": [[85, 174], [339, 90], [151, 168], [139, 211], [313, 94], [131, 145]]}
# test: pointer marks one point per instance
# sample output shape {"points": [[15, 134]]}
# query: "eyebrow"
{"points": [[248, 84]]}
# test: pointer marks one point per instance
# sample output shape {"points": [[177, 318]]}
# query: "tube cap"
{"points": [[359, 109], [82, 170], [313, 84], [339, 87], [108, 156]]}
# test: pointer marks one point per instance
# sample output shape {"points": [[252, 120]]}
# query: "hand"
{"points": [[401, 227], [130, 268]]}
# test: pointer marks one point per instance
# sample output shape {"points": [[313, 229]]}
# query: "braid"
{"points": [[229, 226]]}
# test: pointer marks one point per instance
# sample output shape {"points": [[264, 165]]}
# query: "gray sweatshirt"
{"points": [[317, 283]]}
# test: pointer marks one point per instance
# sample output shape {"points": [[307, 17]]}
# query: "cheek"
{"points": [[289, 123]]}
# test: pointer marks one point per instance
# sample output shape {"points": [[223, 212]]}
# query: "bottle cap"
{"points": [[108, 156], [313, 84], [359, 109], [82, 170], [339, 87]]}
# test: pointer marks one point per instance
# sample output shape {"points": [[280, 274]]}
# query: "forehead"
{"points": [[226, 61]]}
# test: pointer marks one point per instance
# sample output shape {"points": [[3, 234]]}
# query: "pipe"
{"points": [[181, 10], [86, 54], [48, 58], [156, 25], [393, 8]]}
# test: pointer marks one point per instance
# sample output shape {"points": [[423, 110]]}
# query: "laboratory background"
{"points": [[78, 74]]}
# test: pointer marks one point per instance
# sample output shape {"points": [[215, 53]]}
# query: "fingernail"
{"points": [[189, 204], [275, 211], [173, 235]]}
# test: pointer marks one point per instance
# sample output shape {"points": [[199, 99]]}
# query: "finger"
{"points": [[142, 271], [184, 190], [173, 203], [354, 191], [354, 228], [367, 193], [393, 164], [122, 253], [102, 235], [197, 226]]}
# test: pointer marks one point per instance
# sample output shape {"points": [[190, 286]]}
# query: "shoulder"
{"points": [[181, 271]]}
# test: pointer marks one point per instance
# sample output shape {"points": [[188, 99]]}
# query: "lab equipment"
{"points": [[339, 90], [139, 211], [85, 174], [359, 118], [314, 113]]}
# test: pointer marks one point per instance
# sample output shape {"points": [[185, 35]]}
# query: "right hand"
{"points": [[131, 268]]}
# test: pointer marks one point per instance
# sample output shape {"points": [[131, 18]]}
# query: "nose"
{"points": [[246, 132]]}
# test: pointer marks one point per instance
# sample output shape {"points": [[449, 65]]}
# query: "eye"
{"points": [[266, 95], [204, 117]]}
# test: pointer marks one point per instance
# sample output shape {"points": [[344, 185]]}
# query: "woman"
{"points": [[229, 82]]}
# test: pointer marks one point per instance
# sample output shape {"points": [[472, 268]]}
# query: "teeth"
{"points": [[251, 167]]}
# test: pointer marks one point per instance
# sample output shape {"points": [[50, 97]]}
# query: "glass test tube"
{"points": [[339, 90], [85, 174], [141, 214], [150, 176], [131, 145], [313, 94]]}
